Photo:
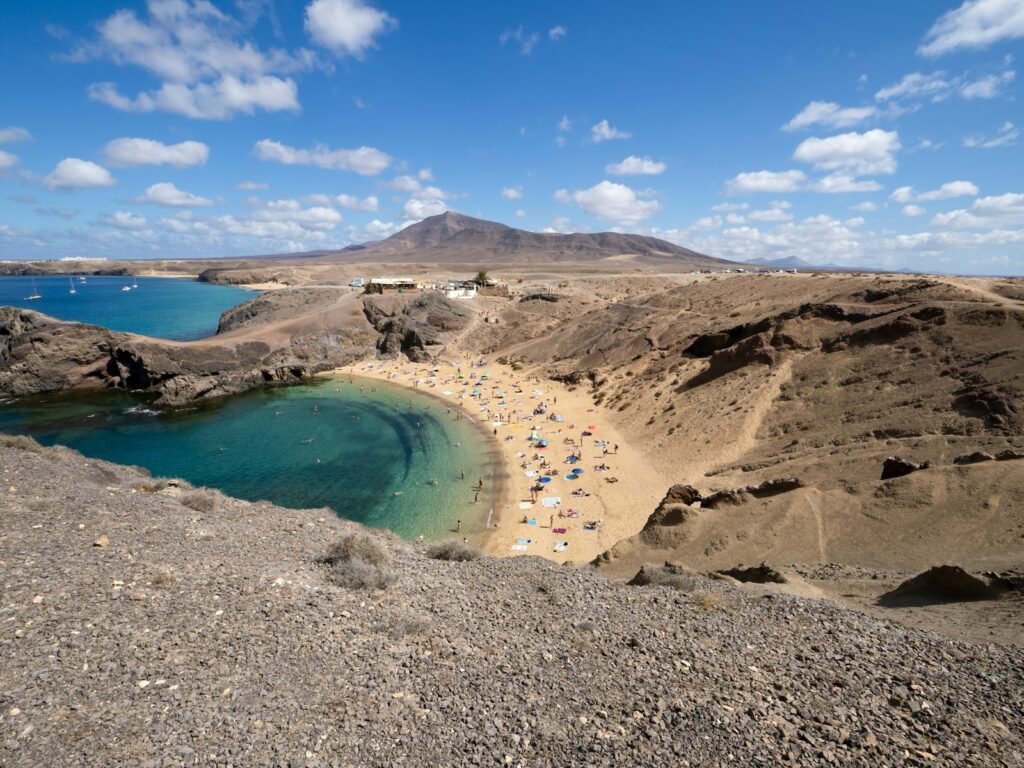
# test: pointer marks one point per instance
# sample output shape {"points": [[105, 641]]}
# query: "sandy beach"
{"points": [[598, 488]]}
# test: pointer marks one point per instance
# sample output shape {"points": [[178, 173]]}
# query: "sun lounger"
{"points": [[554, 501]]}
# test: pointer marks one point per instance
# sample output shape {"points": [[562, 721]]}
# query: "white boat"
{"points": [[35, 293], [135, 283], [72, 286], [126, 287]]}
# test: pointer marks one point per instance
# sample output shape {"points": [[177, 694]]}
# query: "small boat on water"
{"points": [[35, 292], [71, 285]]}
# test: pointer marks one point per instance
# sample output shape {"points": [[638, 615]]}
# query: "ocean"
{"points": [[373, 452], [162, 307]]}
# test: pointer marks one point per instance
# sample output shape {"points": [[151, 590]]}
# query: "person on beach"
{"points": [[458, 526], [476, 497]]}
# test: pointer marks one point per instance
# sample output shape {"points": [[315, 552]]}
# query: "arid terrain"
{"points": [[774, 400]]}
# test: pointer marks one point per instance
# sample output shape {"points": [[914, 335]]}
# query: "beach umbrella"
{"points": [[542, 443], [572, 477], [577, 471], [545, 479]]}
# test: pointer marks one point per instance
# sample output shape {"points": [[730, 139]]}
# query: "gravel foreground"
{"points": [[138, 631]]}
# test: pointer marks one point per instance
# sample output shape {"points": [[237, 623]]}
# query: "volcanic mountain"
{"points": [[452, 238]]}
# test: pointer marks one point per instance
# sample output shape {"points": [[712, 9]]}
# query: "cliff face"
{"points": [[310, 330]]}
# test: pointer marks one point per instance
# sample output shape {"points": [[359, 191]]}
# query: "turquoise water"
{"points": [[167, 308], [266, 445]]}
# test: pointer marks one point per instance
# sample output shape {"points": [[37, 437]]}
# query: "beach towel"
{"points": [[561, 546], [518, 547], [524, 541], [530, 473], [554, 501], [558, 530], [525, 504]]}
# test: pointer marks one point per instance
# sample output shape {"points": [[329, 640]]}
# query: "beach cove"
{"points": [[590, 488]]}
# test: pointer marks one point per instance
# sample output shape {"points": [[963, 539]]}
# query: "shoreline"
{"points": [[551, 522], [500, 486]]}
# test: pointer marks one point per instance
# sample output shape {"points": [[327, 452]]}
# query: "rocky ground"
{"points": [[146, 624]]}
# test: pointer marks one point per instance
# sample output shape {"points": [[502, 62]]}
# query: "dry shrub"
{"points": [[202, 500], [707, 602], [453, 551], [359, 562], [151, 485], [20, 442]]}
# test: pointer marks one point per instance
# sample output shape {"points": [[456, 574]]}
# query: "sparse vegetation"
{"points": [[358, 562], [151, 485], [453, 551], [667, 576], [711, 601], [20, 442], [202, 500]]}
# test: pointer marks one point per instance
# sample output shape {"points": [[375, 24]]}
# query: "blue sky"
{"points": [[869, 133]]}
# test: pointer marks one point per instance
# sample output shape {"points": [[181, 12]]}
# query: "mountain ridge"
{"points": [[453, 237]]}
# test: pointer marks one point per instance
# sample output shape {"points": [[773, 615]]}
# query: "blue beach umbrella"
{"points": [[545, 479], [577, 471]]}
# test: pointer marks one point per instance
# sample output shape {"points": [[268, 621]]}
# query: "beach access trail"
{"points": [[538, 427]]}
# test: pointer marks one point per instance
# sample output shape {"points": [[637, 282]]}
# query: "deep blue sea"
{"points": [[371, 454], [164, 307]]}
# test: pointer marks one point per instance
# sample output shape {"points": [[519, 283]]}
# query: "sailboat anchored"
{"points": [[71, 286], [35, 293]]}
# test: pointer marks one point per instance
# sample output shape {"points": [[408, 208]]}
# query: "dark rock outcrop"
{"points": [[942, 584], [762, 490], [412, 328], [974, 458], [894, 466], [39, 354], [756, 574]]}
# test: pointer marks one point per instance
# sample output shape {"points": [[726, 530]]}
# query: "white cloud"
{"points": [[292, 212], [636, 166], [124, 220], [559, 225], [917, 85], [830, 115], [405, 183], [347, 27], [913, 210], [993, 211], [866, 206], [251, 186], [368, 204], [206, 101], [425, 174], [1007, 135], [902, 194], [557, 33], [766, 181], [565, 124], [366, 161], [706, 223], [730, 207], [374, 230], [817, 239], [14, 134], [73, 173], [520, 213], [527, 40], [512, 193], [612, 202], [975, 24], [603, 131], [778, 210], [207, 70], [416, 209], [938, 86], [836, 183], [947, 191], [123, 153], [7, 160], [987, 87], [857, 154], [167, 194]]}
